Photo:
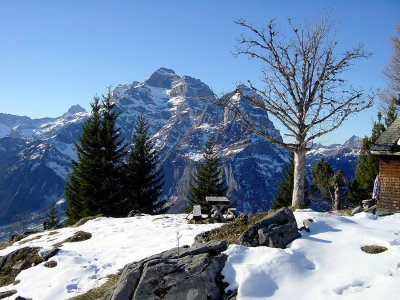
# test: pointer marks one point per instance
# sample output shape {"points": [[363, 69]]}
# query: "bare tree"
{"points": [[392, 75], [303, 89]]}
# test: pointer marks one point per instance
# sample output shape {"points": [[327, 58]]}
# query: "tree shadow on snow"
{"points": [[258, 284], [317, 228]]}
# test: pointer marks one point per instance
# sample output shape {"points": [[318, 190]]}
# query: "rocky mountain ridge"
{"points": [[340, 157], [35, 153]]}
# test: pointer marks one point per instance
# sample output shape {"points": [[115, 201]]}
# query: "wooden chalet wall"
{"points": [[389, 174]]}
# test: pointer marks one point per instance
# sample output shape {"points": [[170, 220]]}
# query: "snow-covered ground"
{"points": [[326, 263], [115, 242]]}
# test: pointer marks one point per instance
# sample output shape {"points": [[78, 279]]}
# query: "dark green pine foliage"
{"points": [[362, 185], [52, 220], [94, 184], [321, 175], [82, 190], [207, 181], [113, 153], [283, 198], [144, 178], [326, 186]]}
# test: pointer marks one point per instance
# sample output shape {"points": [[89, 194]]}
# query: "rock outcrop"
{"points": [[275, 231], [16, 261], [179, 273]]}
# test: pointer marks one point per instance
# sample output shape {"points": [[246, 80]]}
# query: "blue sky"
{"points": [[54, 54]]}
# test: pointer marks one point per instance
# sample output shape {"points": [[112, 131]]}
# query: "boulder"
{"points": [[46, 255], [16, 261], [244, 217], [194, 273], [133, 213], [277, 236], [277, 230], [202, 237], [7, 294]]}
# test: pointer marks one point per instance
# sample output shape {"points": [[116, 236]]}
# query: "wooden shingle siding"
{"points": [[389, 173]]}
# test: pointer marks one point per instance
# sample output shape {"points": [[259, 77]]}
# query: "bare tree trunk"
{"points": [[298, 184], [336, 202], [337, 182]]}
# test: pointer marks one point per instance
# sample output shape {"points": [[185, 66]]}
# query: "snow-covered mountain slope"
{"points": [[181, 117], [326, 263]]}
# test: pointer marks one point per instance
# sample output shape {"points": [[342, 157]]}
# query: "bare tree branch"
{"points": [[303, 88]]}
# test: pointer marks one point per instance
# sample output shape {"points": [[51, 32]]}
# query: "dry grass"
{"points": [[373, 249], [50, 264], [84, 220], [7, 294], [98, 293], [25, 258], [231, 231], [29, 240], [77, 237], [4, 245]]}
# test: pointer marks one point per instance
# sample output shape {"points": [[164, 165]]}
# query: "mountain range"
{"points": [[35, 154]]}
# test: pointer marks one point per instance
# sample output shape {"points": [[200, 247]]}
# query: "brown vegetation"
{"points": [[373, 249], [99, 293], [22, 259], [77, 237]]}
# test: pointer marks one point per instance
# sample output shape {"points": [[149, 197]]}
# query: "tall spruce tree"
{"points": [[114, 151], [144, 178], [52, 220], [94, 182], [285, 187], [82, 190], [207, 181]]}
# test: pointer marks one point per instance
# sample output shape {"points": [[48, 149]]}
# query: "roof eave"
{"points": [[389, 153]]}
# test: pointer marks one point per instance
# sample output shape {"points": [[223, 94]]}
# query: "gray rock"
{"points": [[277, 237], [244, 217], [278, 229], [193, 274], [7, 294], [133, 213], [49, 254], [202, 237]]}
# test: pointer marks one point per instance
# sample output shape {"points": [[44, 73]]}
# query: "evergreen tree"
{"points": [[113, 153], [207, 181], [361, 186], [322, 175], [93, 186], [82, 190], [144, 179], [285, 187], [52, 220]]}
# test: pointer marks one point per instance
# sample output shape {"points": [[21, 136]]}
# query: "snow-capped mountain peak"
{"points": [[162, 78]]}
